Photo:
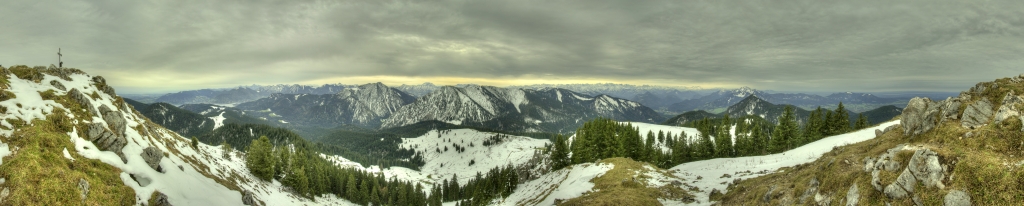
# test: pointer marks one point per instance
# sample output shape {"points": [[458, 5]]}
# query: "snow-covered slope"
{"points": [[708, 174], [185, 175], [439, 166]]}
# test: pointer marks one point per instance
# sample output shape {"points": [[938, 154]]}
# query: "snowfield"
{"points": [[563, 184]]}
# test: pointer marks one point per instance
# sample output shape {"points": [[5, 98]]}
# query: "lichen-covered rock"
{"points": [[852, 196], [152, 156], [977, 114], [115, 120], [925, 167], [57, 85], [104, 139], [1009, 107], [917, 117], [957, 198], [83, 100]]}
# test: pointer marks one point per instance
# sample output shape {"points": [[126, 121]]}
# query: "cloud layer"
{"points": [[803, 45]]}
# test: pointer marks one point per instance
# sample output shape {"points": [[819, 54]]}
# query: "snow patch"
{"points": [[218, 121], [562, 184], [68, 155]]}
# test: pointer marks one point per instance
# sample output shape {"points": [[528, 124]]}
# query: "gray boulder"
{"points": [[957, 198], [101, 84], [161, 200], [104, 139], [1009, 109], [115, 120], [83, 100], [876, 182], [977, 114], [852, 196], [917, 117], [878, 133], [152, 156], [950, 108], [925, 167], [903, 187], [248, 198], [57, 85], [84, 187]]}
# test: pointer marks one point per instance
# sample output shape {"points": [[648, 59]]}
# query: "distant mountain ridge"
{"points": [[518, 110], [364, 106]]}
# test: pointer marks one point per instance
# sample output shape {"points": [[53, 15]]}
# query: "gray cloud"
{"points": [[804, 45]]}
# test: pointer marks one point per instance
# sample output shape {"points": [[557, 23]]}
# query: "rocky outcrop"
{"points": [[917, 117], [957, 198], [115, 120], [57, 85], [83, 100], [950, 108], [925, 167], [1009, 108], [852, 196], [160, 199], [101, 84], [977, 114], [152, 156], [104, 139]]}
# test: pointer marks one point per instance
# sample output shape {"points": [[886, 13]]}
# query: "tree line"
{"points": [[604, 138]]}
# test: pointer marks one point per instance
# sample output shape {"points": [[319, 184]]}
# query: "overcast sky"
{"points": [[145, 46]]}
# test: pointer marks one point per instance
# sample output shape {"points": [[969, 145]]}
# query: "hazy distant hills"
{"points": [[364, 106], [244, 93]]}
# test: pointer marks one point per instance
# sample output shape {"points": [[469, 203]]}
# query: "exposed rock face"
{"points": [[82, 100], [1009, 109], [248, 199], [917, 117], [926, 168], [957, 198], [161, 200], [104, 139], [115, 120], [852, 196], [950, 108], [152, 155], [58, 85], [977, 114]]}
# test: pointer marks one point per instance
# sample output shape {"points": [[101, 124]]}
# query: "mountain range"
{"points": [[365, 106], [244, 93], [754, 105]]}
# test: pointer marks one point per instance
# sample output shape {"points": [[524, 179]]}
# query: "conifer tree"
{"points": [[560, 153], [862, 122], [842, 120], [723, 140], [785, 133], [260, 159], [812, 130], [195, 143]]}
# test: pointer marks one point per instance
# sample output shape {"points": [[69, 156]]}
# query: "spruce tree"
{"points": [[812, 130], [195, 143], [862, 122], [259, 159], [785, 133], [842, 120], [723, 140], [560, 153]]}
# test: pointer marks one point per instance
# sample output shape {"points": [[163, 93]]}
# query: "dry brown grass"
{"points": [[617, 187]]}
